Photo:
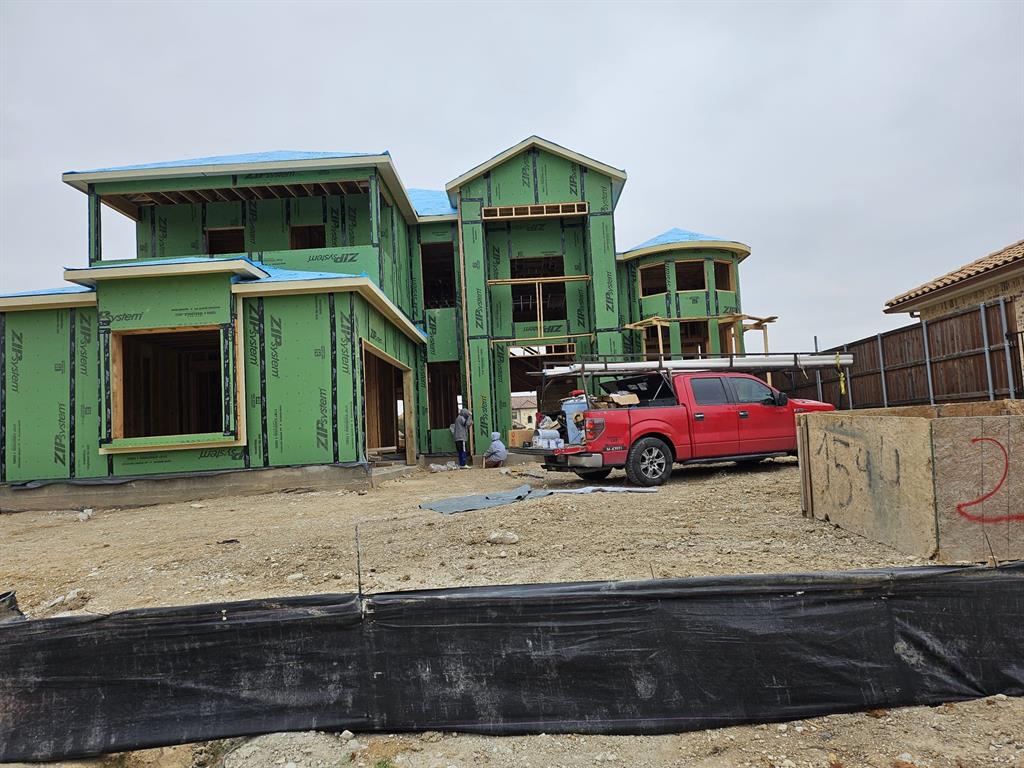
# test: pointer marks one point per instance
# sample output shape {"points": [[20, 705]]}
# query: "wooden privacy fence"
{"points": [[971, 355]]}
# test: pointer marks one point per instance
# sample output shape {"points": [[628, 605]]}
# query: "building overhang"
{"points": [[364, 286], [242, 268], [739, 249], [81, 180], [59, 299]]}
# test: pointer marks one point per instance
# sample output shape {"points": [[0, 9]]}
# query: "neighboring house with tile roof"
{"points": [[999, 275]]}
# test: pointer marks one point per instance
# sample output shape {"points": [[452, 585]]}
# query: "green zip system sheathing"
{"points": [[303, 383], [50, 422], [301, 348]]}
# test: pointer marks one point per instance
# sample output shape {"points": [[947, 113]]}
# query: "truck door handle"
{"points": [[698, 417], [743, 414]]}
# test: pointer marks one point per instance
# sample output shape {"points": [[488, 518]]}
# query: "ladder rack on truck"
{"points": [[618, 366]]}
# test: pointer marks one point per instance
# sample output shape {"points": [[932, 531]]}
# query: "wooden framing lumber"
{"points": [[408, 398], [541, 211]]}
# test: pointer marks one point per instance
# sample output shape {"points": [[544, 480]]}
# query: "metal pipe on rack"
{"points": [[747, 363]]}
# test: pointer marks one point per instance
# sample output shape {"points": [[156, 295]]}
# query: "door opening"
{"points": [[388, 401]]}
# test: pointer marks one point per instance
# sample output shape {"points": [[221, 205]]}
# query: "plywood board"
{"points": [[979, 480], [873, 476]]}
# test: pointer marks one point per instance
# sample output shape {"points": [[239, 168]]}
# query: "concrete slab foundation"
{"points": [[142, 492]]}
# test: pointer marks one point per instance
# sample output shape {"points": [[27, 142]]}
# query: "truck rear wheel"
{"points": [[649, 462], [593, 474]]}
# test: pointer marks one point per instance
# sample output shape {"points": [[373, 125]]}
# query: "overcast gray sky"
{"points": [[858, 148]]}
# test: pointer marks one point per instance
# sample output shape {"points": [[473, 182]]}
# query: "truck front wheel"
{"points": [[593, 474], [649, 462]]}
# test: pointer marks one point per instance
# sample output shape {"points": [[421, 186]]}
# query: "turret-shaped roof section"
{"points": [[676, 239], [617, 175]]}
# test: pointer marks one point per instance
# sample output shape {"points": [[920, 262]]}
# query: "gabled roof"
{"points": [[676, 238], [431, 202], [994, 265], [617, 175]]}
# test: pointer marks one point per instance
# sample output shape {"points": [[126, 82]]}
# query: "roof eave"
{"points": [[47, 301], [383, 163], [914, 303], [81, 181], [364, 286], [741, 250], [91, 275]]}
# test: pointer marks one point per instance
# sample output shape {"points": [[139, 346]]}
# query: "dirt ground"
{"points": [[709, 520]]}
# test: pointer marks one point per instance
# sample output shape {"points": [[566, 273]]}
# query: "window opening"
{"points": [[225, 241], [524, 297], [653, 280], [308, 236], [690, 276], [170, 383], [438, 266], [723, 276], [443, 394]]}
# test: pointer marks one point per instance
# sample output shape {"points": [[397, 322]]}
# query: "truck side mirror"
{"points": [[781, 398]]}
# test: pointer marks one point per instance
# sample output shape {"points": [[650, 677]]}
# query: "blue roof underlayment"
{"points": [[275, 156], [176, 260], [283, 275], [49, 291], [431, 202], [677, 235], [274, 274]]}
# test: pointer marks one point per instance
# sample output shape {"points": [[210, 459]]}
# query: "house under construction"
{"points": [[296, 308]]}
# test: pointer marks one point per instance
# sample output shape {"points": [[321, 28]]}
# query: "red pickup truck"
{"points": [[682, 418]]}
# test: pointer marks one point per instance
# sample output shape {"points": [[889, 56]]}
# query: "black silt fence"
{"points": [[631, 658]]}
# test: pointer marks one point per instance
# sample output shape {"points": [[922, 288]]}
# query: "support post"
{"points": [[95, 228], [928, 362], [988, 352], [1010, 378], [849, 384], [881, 372], [817, 372], [764, 333]]}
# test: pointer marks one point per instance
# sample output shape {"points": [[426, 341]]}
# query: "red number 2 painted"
{"points": [[962, 508]]}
